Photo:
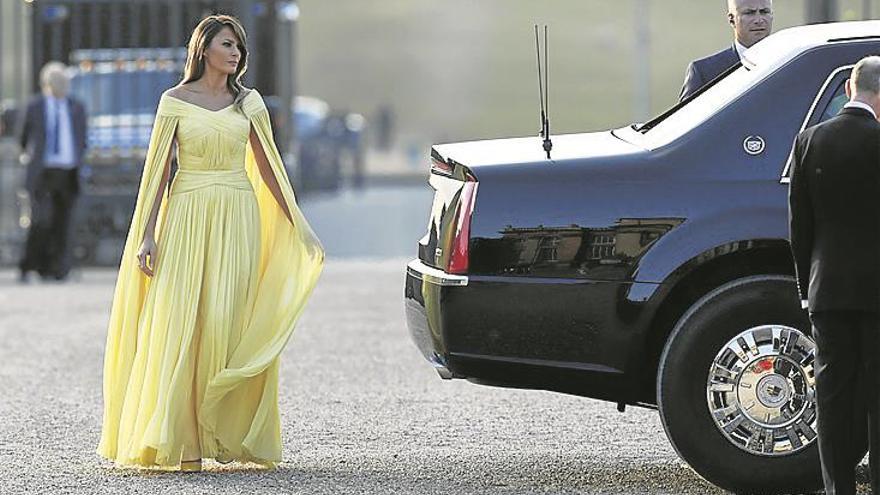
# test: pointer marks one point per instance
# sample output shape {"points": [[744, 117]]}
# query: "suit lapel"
{"points": [[41, 117], [40, 128]]}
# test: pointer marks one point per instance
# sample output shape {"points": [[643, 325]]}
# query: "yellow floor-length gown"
{"points": [[192, 354]]}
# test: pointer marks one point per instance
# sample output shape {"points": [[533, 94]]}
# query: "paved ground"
{"points": [[363, 414]]}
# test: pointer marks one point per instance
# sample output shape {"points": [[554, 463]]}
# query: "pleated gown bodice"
{"points": [[211, 148], [211, 139]]}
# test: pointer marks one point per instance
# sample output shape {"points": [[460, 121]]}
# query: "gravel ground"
{"points": [[363, 413]]}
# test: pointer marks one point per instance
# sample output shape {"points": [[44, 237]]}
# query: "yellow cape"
{"points": [[291, 259]]}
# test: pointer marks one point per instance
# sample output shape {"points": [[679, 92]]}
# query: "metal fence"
{"points": [[117, 33], [62, 26], [13, 203]]}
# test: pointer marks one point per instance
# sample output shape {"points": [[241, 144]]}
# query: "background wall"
{"points": [[464, 69]]}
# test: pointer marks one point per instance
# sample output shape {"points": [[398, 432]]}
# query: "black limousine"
{"points": [[647, 265]]}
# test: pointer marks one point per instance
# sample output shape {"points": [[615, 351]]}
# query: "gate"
{"points": [[62, 26], [122, 54]]}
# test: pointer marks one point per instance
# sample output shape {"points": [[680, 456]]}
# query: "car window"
{"points": [[835, 104], [691, 112], [828, 104]]}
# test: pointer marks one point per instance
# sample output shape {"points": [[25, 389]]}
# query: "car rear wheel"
{"points": [[736, 388]]}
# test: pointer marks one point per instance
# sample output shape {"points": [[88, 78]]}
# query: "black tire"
{"points": [[681, 387]]}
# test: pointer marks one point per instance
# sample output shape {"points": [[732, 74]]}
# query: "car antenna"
{"points": [[544, 92]]}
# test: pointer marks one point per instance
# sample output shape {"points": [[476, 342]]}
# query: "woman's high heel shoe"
{"points": [[191, 466]]}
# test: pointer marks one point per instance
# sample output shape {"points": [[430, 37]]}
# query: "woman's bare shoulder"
{"points": [[178, 92], [171, 102]]}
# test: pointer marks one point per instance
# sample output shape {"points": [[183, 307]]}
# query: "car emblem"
{"points": [[754, 145]]}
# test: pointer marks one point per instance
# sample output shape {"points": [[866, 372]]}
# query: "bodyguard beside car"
{"points": [[647, 265]]}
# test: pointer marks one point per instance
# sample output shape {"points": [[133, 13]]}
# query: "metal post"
{"points": [[75, 36], [268, 44], [5, 203], [177, 20], [133, 19], [287, 14], [642, 71], [282, 77], [37, 42], [56, 26], [247, 17], [153, 13], [821, 11], [293, 81], [3, 71], [23, 64], [18, 67], [95, 25], [115, 25], [191, 17]]}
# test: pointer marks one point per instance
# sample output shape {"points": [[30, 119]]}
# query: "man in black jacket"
{"points": [[834, 205], [53, 137], [752, 21]]}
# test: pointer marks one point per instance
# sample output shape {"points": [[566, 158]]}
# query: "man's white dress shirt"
{"points": [[740, 48], [863, 106], [63, 157]]}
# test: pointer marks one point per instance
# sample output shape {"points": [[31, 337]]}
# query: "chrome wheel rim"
{"points": [[761, 390]]}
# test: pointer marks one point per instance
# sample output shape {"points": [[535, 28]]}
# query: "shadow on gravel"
{"points": [[429, 478], [524, 475]]}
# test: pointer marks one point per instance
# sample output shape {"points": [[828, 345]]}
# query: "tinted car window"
{"points": [[835, 104], [830, 103]]}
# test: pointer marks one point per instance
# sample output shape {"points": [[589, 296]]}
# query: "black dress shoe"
{"points": [[53, 277]]}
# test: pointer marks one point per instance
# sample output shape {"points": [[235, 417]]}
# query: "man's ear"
{"points": [[730, 19], [848, 89]]}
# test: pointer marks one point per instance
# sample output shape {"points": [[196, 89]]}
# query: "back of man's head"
{"points": [[866, 76]]}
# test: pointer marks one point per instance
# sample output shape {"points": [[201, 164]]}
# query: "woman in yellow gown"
{"points": [[214, 274]]}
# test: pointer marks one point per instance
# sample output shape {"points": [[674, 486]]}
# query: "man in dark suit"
{"points": [[53, 137], [752, 21], [834, 204]]}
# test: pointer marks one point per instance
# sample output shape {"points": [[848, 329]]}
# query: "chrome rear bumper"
{"points": [[422, 290], [425, 273]]}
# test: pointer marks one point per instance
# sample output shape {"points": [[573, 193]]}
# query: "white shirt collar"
{"points": [[740, 48], [55, 99], [863, 106]]}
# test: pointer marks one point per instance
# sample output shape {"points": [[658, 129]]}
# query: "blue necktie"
{"points": [[55, 127]]}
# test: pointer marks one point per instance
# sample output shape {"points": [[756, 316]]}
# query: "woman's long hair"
{"points": [[200, 40]]}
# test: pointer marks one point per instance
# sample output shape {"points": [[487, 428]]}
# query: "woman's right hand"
{"points": [[147, 252]]}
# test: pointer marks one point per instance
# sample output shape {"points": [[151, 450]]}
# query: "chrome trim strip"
{"points": [[434, 276], [601, 368], [783, 179]]}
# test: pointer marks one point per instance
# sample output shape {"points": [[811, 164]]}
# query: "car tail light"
{"points": [[458, 259], [441, 167]]}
